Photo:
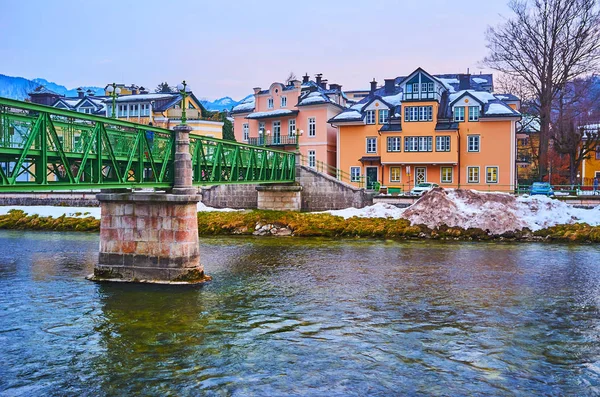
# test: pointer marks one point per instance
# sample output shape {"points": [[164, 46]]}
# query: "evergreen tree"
{"points": [[164, 88], [227, 128]]}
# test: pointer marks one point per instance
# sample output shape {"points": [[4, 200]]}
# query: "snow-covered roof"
{"points": [[348, 115], [272, 113], [479, 80], [246, 105], [393, 100], [482, 96], [143, 97], [498, 108]]}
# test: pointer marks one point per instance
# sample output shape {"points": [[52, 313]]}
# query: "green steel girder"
{"points": [[45, 148]]}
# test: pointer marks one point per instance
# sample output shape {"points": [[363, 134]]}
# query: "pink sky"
{"points": [[227, 48]]}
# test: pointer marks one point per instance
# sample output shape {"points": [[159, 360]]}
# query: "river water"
{"points": [[306, 317]]}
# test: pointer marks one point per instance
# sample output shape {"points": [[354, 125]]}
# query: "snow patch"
{"points": [[498, 108], [393, 100], [353, 114], [278, 112], [479, 80], [483, 96]]}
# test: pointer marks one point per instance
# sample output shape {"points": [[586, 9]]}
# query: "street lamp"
{"points": [[113, 92], [181, 87], [297, 134], [267, 137]]}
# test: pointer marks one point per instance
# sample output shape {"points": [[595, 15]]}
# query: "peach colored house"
{"points": [[292, 116], [446, 129]]}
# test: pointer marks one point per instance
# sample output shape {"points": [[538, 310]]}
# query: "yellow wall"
{"points": [[590, 168]]}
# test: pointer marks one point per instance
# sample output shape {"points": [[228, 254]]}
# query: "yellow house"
{"points": [[446, 129], [590, 167], [126, 89], [164, 110]]}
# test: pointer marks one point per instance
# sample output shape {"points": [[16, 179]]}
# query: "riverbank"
{"points": [[275, 223]]}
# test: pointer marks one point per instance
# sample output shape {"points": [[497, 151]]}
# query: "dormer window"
{"points": [[384, 116], [283, 101], [370, 117], [473, 113], [270, 103], [459, 113]]}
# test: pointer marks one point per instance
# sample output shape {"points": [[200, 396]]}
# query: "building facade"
{"points": [[292, 116], [445, 129]]}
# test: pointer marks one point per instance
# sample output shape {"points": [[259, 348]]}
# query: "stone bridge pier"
{"points": [[152, 237]]}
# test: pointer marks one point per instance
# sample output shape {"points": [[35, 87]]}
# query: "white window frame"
{"points": [[276, 131], [459, 114], [370, 117], [374, 146], [283, 101], [473, 180], [473, 143], [291, 127], [418, 113], [312, 158], [262, 127], [384, 116], [396, 145], [270, 103], [399, 174], [473, 113], [442, 180], [417, 171], [354, 177], [443, 143], [312, 127], [487, 180], [418, 144], [245, 132]]}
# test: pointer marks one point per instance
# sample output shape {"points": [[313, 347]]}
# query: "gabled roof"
{"points": [[461, 94]]}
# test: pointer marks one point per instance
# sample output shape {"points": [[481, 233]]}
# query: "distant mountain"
{"points": [[225, 103], [19, 87]]}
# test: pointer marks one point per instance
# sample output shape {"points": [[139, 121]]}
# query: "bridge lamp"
{"points": [[182, 90], [113, 92]]}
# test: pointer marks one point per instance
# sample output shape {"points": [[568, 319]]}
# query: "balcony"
{"points": [[283, 140], [191, 114]]}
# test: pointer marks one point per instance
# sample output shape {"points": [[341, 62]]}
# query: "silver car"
{"points": [[422, 188]]}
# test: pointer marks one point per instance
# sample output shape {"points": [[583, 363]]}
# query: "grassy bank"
{"points": [[317, 225]]}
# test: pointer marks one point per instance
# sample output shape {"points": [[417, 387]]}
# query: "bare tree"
{"points": [[546, 44], [574, 130], [291, 76]]}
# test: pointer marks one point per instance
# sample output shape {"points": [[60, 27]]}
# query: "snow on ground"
{"points": [[56, 212], [496, 212]]}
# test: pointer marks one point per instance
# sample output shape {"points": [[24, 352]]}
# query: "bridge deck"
{"points": [[45, 148]]}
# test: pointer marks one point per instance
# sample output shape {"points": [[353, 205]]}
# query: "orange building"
{"points": [[446, 129], [287, 115]]}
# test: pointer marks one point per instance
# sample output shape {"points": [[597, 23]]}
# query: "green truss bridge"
{"points": [[44, 148]]}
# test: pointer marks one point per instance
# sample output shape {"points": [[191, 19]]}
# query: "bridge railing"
{"points": [[45, 148]]}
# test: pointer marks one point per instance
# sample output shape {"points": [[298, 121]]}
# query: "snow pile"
{"points": [[479, 80], [203, 208], [496, 212]]}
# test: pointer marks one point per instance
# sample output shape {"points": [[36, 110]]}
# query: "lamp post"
{"points": [[113, 92], [181, 87], [297, 134], [267, 137]]}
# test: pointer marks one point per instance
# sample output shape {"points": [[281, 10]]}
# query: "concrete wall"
{"points": [[322, 192], [230, 196], [60, 199]]}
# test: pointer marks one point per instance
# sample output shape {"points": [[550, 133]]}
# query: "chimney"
{"points": [[324, 84], [89, 93], [296, 83], [305, 78], [373, 85], [80, 93], [389, 85], [335, 87], [256, 90], [318, 78], [464, 81], [143, 90]]}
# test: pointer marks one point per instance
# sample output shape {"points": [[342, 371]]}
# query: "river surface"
{"points": [[304, 317]]}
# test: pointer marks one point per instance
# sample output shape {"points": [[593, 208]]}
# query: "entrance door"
{"points": [[420, 175], [371, 176], [276, 132]]}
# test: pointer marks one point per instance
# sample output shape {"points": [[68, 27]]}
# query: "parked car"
{"points": [[542, 188], [422, 188]]}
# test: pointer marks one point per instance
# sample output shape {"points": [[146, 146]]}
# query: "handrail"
{"points": [[333, 171]]}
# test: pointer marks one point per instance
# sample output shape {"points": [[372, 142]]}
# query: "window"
{"points": [[442, 144], [393, 144], [312, 158], [473, 143], [354, 174], [270, 103], [245, 132], [134, 110], [395, 174], [384, 116], [371, 145], [276, 132], [418, 113], [446, 175], [409, 88], [312, 126], [430, 87], [416, 88], [423, 87], [291, 127], [370, 117], [122, 110], [418, 144], [145, 109], [473, 113], [473, 174], [261, 127], [491, 174], [459, 113], [283, 101]]}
